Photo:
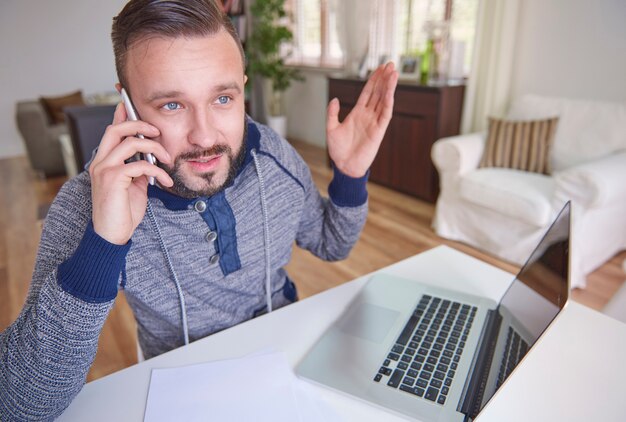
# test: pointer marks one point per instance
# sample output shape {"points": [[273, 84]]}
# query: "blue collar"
{"points": [[177, 203]]}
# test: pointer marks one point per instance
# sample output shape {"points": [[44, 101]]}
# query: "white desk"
{"points": [[553, 382]]}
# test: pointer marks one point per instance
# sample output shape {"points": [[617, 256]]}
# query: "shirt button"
{"points": [[211, 236], [214, 259], [200, 206]]}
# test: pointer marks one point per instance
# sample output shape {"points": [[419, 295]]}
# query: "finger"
{"points": [[387, 82], [368, 88], [114, 135], [376, 93], [141, 168], [385, 115], [381, 87], [119, 130], [142, 183], [131, 146], [332, 114], [120, 114]]}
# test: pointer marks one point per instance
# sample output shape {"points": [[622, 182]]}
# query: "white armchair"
{"points": [[505, 212]]}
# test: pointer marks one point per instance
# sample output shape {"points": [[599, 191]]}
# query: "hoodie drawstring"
{"points": [[266, 232], [266, 243], [181, 297]]}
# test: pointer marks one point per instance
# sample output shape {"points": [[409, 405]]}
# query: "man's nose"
{"points": [[202, 130]]}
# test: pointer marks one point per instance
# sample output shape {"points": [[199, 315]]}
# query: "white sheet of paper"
{"points": [[312, 408], [255, 388]]}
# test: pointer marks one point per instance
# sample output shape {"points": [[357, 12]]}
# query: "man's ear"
{"points": [[118, 86], [245, 79]]}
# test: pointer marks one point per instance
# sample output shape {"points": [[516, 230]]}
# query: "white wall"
{"points": [[306, 108], [51, 48], [571, 48]]}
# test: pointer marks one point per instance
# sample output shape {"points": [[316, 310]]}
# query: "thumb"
{"points": [[332, 114]]}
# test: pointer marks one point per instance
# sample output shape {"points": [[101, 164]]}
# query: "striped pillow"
{"points": [[521, 145]]}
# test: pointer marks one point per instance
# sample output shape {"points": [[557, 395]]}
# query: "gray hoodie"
{"points": [[192, 268]]}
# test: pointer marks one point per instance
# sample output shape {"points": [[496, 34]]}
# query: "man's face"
{"points": [[192, 90]]}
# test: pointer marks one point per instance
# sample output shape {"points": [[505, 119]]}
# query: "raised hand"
{"points": [[119, 191], [353, 143]]}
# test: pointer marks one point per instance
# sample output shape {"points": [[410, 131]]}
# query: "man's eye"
{"points": [[223, 99], [171, 106]]}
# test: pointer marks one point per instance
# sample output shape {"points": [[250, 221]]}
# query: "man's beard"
{"points": [[235, 161]]}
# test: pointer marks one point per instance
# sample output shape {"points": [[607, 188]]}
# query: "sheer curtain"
{"points": [[353, 25], [489, 84], [382, 35], [365, 27]]}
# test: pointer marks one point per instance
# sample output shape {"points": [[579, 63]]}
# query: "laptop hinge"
{"points": [[475, 385]]}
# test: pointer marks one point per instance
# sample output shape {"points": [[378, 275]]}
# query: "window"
{"points": [[396, 27], [315, 33], [458, 18], [464, 27]]}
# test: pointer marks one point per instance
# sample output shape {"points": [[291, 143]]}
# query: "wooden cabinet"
{"points": [[421, 115]]}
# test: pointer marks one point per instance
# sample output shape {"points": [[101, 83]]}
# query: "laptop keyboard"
{"points": [[514, 351], [424, 359]]}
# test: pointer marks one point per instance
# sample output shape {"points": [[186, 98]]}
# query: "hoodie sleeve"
{"points": [[47, 351], [330, 227]]}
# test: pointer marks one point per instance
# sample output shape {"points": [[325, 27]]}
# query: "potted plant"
{"points": [[265, 58]]}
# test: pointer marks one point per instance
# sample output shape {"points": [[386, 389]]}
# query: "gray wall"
{"points": [[572, 48], [51, 48]]}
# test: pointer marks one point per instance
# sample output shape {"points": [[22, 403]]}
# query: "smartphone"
{"points": [[132, 115]]}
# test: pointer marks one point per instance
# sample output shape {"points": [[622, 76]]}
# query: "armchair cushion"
{"points": [[54, 105], [594, 184], [522, 145], [587, 129], [517, 194]]}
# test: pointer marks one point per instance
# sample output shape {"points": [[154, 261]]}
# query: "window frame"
{"points": [[325, 61]]}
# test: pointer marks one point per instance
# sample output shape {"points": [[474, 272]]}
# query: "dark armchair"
{"points": [[86, 127]]}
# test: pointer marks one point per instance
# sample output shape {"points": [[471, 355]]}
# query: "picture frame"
{"points": [[410, 67]]}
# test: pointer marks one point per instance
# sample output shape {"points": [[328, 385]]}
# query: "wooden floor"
{"points": [[398, 226]]}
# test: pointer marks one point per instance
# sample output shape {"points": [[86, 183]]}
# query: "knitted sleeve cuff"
{"points": [[346, 191], [92, 273]]}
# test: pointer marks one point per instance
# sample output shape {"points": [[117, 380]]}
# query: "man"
{"points": [[204, 248]]}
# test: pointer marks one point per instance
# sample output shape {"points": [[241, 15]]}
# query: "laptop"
{"points": [[435, 354]]}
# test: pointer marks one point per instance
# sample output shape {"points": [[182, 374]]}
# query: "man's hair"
{"points": [[141, 19]]}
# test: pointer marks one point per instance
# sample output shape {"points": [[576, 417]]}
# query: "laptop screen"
{"points": [[541, 287], [531, 302]]}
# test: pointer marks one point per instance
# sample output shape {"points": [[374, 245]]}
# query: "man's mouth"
{"points": [[204, 164], [204, 160]]}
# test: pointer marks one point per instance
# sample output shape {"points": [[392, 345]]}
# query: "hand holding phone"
{"points": [[118, 187], [132, 115]]}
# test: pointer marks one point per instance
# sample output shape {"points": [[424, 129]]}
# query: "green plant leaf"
{"points": [[263, 47]]}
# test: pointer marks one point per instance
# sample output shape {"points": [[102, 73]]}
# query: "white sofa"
{"points": [[505, 212]]}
